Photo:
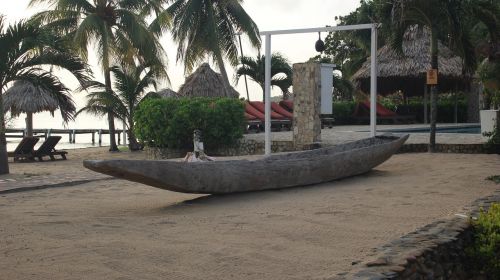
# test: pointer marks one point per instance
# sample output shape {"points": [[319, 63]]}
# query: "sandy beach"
{"points": [[116, 229]]}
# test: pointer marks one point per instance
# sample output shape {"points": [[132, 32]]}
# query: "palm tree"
{"points": [[446, 20], [131, 84], [26, 54], [281, 71], [343, 89], [209, 27], [116, 27]]}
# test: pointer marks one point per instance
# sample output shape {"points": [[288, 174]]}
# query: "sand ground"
{"points": [[123, 230]]}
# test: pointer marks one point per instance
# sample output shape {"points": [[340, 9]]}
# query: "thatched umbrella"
{"points": [[408, 72], [205, 82], [25, 97]]}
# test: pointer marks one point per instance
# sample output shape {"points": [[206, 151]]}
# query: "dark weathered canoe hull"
{"points": [[275, 172]]}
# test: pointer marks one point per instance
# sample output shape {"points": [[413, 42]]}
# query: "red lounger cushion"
{"points": [[249, 109], [280, 110], [287, 104], [249, 117], [381, 110], [259, 105]]}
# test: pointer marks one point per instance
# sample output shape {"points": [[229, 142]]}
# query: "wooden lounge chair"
{"points": [[47, 149], [260, 106], [25, 149], [287, 104], [280, 110], [326, 120], [253, 123], [278, 121], [362, 113]]}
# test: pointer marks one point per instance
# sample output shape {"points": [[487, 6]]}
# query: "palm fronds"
{"points": [[281, 71]]}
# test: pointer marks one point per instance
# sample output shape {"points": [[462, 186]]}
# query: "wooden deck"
{"points": [[20, 133]]}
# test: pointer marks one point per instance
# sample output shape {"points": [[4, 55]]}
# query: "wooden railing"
{"points": [[20, 133]]}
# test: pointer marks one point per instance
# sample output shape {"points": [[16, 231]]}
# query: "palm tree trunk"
{"points": [[133, 145], [29, 124], [434, 91], [111, 126], [225, 79], [111, 118], [245, 76], [4, 162]]}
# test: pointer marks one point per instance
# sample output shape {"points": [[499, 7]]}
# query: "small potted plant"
{"points": [[489, 72]]}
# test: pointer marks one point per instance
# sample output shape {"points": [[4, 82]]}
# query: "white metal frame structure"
{"points": [[373, 82]]}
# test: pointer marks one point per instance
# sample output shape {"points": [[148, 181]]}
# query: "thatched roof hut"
{"points": [[167, 93], [408, 73], [24, 97], [205, 82]]}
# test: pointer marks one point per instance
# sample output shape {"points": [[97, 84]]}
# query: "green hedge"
{"points": [[343, 111], [485, 250], [170, 123], [445, 111]]}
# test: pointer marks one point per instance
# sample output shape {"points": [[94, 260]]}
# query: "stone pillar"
{"points": [[306, 104]]}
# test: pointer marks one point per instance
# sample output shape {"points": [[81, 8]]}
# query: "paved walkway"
{"points": [[27, 183], [342, 134]]}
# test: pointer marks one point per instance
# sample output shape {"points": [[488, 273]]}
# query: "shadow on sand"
{"points": [[218, 200]]}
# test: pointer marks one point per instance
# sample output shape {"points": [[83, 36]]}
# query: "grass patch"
{"points": [[494, 178], [123, 148], [485, 250]]}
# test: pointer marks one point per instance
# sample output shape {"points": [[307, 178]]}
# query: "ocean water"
{"points": [[82, 141], [46, 121]]}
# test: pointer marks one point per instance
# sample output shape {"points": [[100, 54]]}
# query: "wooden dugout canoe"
{"points": [[274, 172]]}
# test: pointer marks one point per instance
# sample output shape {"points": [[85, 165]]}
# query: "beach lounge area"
{"points": [[250, 140]]}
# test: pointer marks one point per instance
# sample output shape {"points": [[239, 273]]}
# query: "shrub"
{"points": [[170, 123], [494, 178], [343, 110], [485, 249], [494, 136], [445, 110]]}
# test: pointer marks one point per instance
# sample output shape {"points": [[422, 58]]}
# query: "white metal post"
{"points": [[373, 83], [267, 96], [318, 29]]}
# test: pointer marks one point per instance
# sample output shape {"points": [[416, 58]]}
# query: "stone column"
{"points": [[306, 104]]}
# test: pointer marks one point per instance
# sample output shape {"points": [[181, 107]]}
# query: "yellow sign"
{"points": [[432, 77]]}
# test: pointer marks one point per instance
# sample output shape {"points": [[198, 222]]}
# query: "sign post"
{"points": [[432, 77]]}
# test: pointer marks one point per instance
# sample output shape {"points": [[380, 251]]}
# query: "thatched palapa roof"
{"points": [[408, 72], [24, 97], [167, 93], [205, 82]]}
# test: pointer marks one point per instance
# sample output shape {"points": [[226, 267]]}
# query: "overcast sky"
{"points": [[268, 14]]}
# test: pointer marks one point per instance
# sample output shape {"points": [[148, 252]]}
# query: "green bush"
{"points": [[343, 111], [445, 110], [493, 137], [485, 250], [170, 122]]}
